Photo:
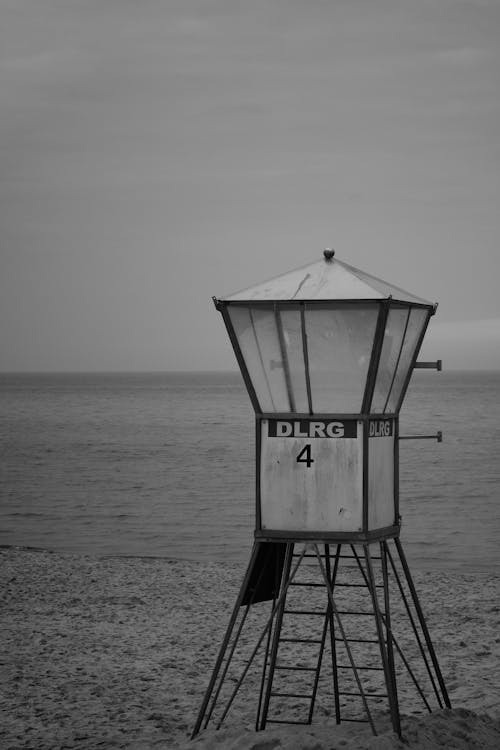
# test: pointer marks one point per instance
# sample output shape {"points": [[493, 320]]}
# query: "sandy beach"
{"points": [[117, 652]]}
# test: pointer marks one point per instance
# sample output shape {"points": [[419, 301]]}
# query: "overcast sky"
{"points": [[155, 153]]}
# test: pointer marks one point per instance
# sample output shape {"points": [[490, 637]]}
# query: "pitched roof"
{"points": [[326, 279]]}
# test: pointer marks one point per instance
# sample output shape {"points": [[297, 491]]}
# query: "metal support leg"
{"points": [[333, 579], [390, 679], [268, 625], [265, 661], [327, 626], [285, 580], [225, 641], [387, 621], [418, 640], [343, 634], [422, 622]]}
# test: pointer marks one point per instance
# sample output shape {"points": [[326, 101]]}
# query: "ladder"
{"points": [[328, 633], [301, 629], [306, 629]]}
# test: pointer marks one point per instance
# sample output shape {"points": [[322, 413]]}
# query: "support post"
{"points": [[225, 642], [421, 619], [285, 580], [389, 678]]}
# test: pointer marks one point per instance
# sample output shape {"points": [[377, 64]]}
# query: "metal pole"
{"points": [[345, 639], [417, 637], [387, 620], [332, 639], [285, 581], [282, 596], [389, 678], [268, 643], [423, 624], [226, 639], [235, 643], [327, 625]]}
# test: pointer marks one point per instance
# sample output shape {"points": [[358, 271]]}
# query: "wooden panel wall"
{"points": [[322, 491]]}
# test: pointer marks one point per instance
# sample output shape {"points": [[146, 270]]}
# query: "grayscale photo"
{"points": [[249, 375]]}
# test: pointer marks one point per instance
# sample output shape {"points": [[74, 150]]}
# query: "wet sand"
{"points": [[117, 652]]}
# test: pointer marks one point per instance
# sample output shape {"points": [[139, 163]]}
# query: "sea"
{"points": [[163, 465]]}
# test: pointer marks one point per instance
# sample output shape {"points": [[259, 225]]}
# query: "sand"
{"points": [[117, 652]]}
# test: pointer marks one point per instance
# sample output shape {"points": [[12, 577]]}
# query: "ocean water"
{"points": [[163, 465]]}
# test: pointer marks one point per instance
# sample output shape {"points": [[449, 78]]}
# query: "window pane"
{"points": [[259, 343], [389, 356], [339, 342], [292, 334], [416, 322]]}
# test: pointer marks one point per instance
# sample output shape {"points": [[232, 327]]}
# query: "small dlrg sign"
{"points": [[380, 428]]}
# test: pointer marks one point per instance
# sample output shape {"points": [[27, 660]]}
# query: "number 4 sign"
{"points": [[305, 456], [310, 474]]}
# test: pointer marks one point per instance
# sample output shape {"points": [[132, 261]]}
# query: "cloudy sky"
{"points": [[154, 153]]}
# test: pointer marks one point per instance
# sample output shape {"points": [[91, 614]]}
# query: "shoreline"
{"points": [[117, 651], [417, 566]]}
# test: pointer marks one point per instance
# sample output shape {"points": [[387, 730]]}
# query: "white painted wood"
{"points": [[327, 496], [381, 507]]}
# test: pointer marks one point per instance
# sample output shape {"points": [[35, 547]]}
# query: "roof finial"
{"points": [[328, 252]]}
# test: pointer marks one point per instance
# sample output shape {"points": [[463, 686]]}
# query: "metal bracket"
{"points": [[438, 365], [438, 437]]}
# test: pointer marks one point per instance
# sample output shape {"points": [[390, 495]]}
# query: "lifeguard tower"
{"points": [[326, 353]]}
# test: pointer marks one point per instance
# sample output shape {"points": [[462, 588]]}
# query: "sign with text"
{"points": [[380, 427], [311, 474], [312, 428]]}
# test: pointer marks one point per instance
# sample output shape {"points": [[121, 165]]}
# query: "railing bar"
{"points": [[343, 557], [368, 695], [358, 585], [307, 556], [356, 640], [291, 695], [314, 641], [276, 605], [333, 607]]}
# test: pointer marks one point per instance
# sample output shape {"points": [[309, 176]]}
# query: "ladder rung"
{"points": [[359, 721], [356, 585], [300, 640], [296, 669], [308, 554], [303, 612], [348, 666], [367, 695], [286, 721], [356, 640], [333, 555], [291, 695]]}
